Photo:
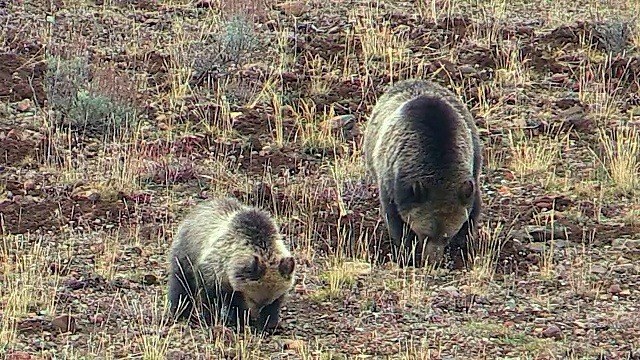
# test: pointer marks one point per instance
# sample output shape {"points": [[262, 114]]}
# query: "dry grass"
{"points": [[620, 159], [343, 306]]}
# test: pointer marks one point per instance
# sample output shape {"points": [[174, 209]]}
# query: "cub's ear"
{"points": [[466, 190], [287, 266]]}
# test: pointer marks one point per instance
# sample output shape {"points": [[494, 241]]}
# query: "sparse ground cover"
{"points": [[117, 116]]}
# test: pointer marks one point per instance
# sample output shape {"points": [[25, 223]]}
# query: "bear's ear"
{"points": [[466, 190], [287, 266]]}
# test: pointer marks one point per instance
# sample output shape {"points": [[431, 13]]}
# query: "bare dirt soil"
{"points": [[270, 108]]}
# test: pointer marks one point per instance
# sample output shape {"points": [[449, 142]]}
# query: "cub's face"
{"points": [[262, 282], [436, 211]]}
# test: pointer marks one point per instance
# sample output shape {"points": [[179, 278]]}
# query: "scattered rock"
{"points": [[74, 284], [4, 110], [339, 125], [24, 105], [623, 268], [533, 258], [82, 192], [64, 323], [29, 185], [559, 203], [356, 268], [557, 78], [580, 121], [98, 319], [549, 232], [5, 203], [451, 291], [552, 332], [631, 244], [293, 8], [537, 247], [560, 244], [521, 236], [598, 269], [296, 345], [204, 4], [150, 279], [467, 70], [18, 355], [615, 289], [177, 355], [568, 102]]}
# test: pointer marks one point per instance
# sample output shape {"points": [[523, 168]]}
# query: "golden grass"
{"points": [[620, 158], [27, 285], [485, 256], [532, 157]]}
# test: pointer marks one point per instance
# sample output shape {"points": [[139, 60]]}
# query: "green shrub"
{"points": [[78, 102]]}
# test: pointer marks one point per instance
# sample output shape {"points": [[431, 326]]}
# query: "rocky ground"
{"points": [[117, 116]]}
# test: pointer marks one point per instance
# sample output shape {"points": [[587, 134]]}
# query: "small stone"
{"points": [[235, 114], [294, 8], [150, 279], [625, 292], [533, 258], [64, 323], [177, 355], [13, 134], [569, 103], [18, 355], [29, 185], [24, 105], [74, 284], [81, 193], [557, 78], [623, 268], [547, 233], [467, 70], [339, 124], [98, 319], [579, 121], [543, 205], [579, 332], [4, 110], [356, 268], [552, 332], [451, 291], [536, 247], [615, 289], [598, 269], [626, 244], [296, 345]]}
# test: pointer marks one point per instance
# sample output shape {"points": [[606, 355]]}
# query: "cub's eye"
{"points": [[254, 269]]}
